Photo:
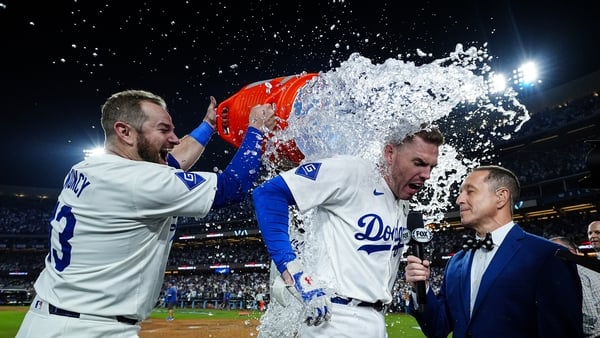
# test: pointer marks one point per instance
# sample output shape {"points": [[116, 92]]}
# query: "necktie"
{"points": [[470, 242]]}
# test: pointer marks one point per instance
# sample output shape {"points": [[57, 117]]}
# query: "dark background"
{"points": [[60, 60]]}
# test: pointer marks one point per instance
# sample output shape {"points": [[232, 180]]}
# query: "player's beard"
{"points": [[145, 151]]}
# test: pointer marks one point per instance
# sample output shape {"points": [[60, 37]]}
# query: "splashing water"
{"points": [[354, 108], [351, 109]]}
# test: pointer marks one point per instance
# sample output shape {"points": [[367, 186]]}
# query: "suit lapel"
{"points": [[506, 251], [465, 282]]}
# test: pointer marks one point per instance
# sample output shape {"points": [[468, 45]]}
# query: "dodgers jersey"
{"points": [[357, 221], [111, 233]]}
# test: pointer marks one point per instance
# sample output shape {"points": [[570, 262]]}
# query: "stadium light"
{"points": [[526, 75], [92, 152]]}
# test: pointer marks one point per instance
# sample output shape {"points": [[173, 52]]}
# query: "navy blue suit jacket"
{"points": [[525, 292]]}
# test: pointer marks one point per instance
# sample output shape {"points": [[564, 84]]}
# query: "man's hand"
{"points": [[262, 117], [416, 270], [211, 113], [315, 298], [188, 151]]}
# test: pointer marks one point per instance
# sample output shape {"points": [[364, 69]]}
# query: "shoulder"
{"points": [[543, 251], [348, 164], [331, 167], [339, 160], [540, 242], [517, 233], [138, 177]]}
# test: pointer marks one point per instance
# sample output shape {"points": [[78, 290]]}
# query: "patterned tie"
{"points": [[470, 242]]}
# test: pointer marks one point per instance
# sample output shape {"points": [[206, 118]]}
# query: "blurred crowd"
{"points": [[246, 288]]}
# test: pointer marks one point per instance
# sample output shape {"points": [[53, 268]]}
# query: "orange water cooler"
{"points": [[281, 91]]}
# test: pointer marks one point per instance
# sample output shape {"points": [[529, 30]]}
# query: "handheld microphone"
{"points": [[419, 236]]}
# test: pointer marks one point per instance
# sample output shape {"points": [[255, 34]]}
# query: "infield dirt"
{"points": [[199, 328]]}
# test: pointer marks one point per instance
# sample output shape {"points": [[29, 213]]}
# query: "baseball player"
{"points": [[115, 219], [171, 300], [359, 213]]}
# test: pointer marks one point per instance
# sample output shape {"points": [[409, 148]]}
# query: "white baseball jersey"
{"points": [[357, 221], [112, 231]]}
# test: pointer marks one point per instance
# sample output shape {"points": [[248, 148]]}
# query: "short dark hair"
{"points": [[430, 135], [126, 106], [428, 132], [500, 177]]}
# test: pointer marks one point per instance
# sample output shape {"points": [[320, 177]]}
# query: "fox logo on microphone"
{"points": [[422, 235]]}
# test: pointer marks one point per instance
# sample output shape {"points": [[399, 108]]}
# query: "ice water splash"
{"points": [[352, 109]]}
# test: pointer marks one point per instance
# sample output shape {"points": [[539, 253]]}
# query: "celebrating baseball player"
{"points": [[360, 210], [115, 219]]}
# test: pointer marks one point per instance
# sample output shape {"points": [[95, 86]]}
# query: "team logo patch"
{"points": [[191, 180], [309, 170]]}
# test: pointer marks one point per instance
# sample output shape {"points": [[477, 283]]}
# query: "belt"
{"points": [[378, 305], [66, 313]]}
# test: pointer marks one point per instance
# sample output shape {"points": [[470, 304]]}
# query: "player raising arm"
{"points": [[185, 154], [114, 222]]}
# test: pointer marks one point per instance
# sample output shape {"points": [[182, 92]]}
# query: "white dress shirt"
{"points": [[482, 259]]}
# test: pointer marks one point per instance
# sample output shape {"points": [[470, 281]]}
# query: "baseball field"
{"points": [[205, 323]]}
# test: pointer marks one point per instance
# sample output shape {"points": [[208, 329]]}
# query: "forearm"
{"points": [[192, 146], [238, 177]]}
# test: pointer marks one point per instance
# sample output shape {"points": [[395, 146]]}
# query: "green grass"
{"points": [[10, 321], [402, 325], [399, 325]]}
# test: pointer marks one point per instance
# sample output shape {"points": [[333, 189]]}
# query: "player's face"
{"points": [[409, 165], [594, 235], [477, 201], [157, 137]]}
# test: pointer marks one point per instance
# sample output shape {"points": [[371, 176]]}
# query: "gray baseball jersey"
{"points": [[357, 221], [112, 231]]}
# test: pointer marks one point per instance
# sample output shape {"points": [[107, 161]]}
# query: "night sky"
{"points": [[60, 60]]}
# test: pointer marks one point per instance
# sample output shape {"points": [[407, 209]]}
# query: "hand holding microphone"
{"points": [[417, 270]]}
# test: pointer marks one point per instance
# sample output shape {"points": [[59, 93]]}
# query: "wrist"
{"points": [[203, 133], [287, 262], [255, 130]]}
